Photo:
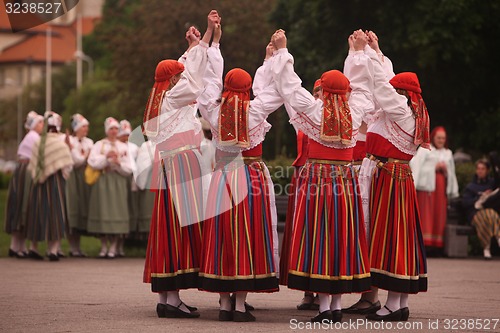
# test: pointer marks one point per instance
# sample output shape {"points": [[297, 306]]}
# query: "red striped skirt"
{"points": [[328, 251], [433, 212], [174, 244], [397, 253], [287, 235], [237, 251]]}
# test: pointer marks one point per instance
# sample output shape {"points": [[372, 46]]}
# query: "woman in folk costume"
{"points": [[133, 200], [108, 207], [397, 254], [19, 185], [436, 182], [328, 252], [77, 190], [359, 70], [50, 166], [174, 246], [238, 252]]}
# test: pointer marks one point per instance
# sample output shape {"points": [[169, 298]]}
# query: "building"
{"points": [[23, 54]]}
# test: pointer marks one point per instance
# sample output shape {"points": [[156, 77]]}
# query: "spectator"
{"points": [[436, 182], [485, 220]]}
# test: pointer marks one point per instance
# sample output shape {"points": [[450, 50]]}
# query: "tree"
{"points": [[448, 43]]}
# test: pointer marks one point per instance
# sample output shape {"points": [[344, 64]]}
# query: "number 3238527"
{"points": [[471, 324], [33, 8]]}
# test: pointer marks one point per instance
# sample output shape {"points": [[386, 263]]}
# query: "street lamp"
{"points": [[13, 83]]}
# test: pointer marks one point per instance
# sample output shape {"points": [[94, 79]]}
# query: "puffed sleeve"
{"points": [[262, 77], [209, 99], [289, 85], [76, 152], [126, 161], [358, 68], [97, 158], [190, 84], [394, 105]]}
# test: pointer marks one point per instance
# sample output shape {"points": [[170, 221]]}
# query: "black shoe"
{"points": [[175, 312], [60, 254], [405, 314], [306, 303], [336, 316], [34, 255], [22, 255], [225, 315], [391, 316], [241, 317], [325, 315], [12, 253], [160, 310], [353, 309], [53, 257], [191, 308]]}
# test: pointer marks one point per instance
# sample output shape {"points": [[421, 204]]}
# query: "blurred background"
{"points": [[104, 53]]}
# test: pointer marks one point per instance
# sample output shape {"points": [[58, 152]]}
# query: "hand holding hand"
{"points": [[373, 41], [193, 36], [279, 39], [360, 40], [212, 19]]}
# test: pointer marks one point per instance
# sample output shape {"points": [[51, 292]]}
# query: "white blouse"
{"points": [[98, 160], [423, 166], [178, 109], [266, 101], [25, 149], [308, 110], [80, 150], [144, 162], [394, 121]]}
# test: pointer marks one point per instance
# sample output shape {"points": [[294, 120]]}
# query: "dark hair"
{"points": [[52, 129], [484, 162]]}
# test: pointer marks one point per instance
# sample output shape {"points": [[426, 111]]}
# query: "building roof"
{"points": [[33, 45]]}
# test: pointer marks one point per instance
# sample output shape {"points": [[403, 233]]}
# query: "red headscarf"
{"points": [[233, 118], [336, 124], [317, 84], [165, 70], [409, 81], [435, 131]]}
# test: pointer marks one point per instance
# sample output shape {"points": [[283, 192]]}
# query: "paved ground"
{"points": [[90, 295]]}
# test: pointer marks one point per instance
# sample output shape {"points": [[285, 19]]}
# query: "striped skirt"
{"points": [[238, 249], [487, 224], [17, 199], [77, 200], [46, 219], [328, 251], [287, 235], [397, 253], [174, 244]]}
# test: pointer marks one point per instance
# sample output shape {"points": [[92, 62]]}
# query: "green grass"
{"points": [[90, 245]]}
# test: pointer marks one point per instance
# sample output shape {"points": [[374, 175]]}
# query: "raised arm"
{"points": [[288, 83], [263, 75], [209, 99], [190, 84]]}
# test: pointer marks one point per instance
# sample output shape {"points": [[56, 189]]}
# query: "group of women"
{"points": [[353, 223], [51, 196]]}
